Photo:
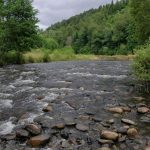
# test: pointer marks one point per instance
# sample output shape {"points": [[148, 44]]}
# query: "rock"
{"points": [[60, 125], [127, 121], [40, 97], [48, 109], [84, 117], [65, 144], [132, 132], [111, 121], [122, 130], [82, 127], [126, 109], [122, 138], [96, 119], [34, 129], [69, 121], [39, 140], [21, 133], [147, 148], [109, 135], [105, 141], [116, 110], [143, 110], [104, 148], [9, 137]]}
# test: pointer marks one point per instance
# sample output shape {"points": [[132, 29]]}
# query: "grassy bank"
{"points": [[66, 54]]}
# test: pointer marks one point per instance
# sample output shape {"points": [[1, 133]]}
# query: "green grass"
{"points": [[67, 54]]}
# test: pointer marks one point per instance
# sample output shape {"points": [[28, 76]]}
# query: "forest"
{"points": [[121, 28]]}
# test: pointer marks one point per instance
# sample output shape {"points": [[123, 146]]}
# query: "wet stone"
{"points": [[132, 132], [105, 141], [127, 121], [11, 136], [96, 119], [143, 110], [116, 110], [34, 129], [122, 130], [48, 109], [59, 125], [111, 121], [21, 133], [104, 148], [69, 121], [82, 127], [39, 140], [109, 135]]}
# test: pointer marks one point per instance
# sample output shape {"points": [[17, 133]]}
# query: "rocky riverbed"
{"points": [[72, 106]]}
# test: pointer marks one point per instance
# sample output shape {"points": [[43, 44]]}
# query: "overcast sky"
{"points": [[52, 11]]}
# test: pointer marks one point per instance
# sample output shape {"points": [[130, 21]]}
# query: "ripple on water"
{"points": [[104, 76], [6, 127]]}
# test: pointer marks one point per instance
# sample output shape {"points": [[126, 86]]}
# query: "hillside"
{"points": [[106, 30]]}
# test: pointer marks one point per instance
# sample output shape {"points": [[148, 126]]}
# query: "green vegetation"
{"points": [[18, 30]]}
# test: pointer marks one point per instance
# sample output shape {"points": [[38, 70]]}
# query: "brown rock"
{"points": [[109, 135], [39, 140], [147, 148], [143, 110], [60, 125], [104, 148], [132, 132], [47, 109], [116, 110], [34, 129], [126, 109], [84, 117]]}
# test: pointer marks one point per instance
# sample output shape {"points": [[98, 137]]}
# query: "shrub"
{"points": [[141, 67]]}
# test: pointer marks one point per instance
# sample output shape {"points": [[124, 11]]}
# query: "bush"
{"points": [[141, 63], [11, 57], [141, 67]]}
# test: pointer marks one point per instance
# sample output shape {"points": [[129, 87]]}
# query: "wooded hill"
{"points": [[106, 30]]}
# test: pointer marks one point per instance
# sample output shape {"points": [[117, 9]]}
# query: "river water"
{"points": [[74, 88]]}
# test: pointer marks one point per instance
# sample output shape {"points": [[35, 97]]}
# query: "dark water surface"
{"points": [[74, 89]]}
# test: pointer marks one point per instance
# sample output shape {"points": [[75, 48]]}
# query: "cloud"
{"points": [[52, 11]]}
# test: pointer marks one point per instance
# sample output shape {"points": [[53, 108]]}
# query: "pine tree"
{"points": [[19, 25]]}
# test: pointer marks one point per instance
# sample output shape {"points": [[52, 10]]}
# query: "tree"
{"points": [[140, 10], [18, 26]]}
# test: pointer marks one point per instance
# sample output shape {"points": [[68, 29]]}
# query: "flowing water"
{"points": [[74, 88]]}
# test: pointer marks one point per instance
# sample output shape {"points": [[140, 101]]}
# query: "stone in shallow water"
{"points": [[34, 129], [104, 148], [132, 132], [105, 141], [82, 127], [111, 121], [127, 121], [109, 135], [39, 140], [122, 130], [143, 110], [59, 125], [48, 109], [147, 148], [69, 121], [116, 110], [21, 133], [11, 136]]}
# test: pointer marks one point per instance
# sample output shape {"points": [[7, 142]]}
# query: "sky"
{"points": [[52, 11]]}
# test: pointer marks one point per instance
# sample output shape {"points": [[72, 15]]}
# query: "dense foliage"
{"points": [[106, 30], [18, 30]]}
